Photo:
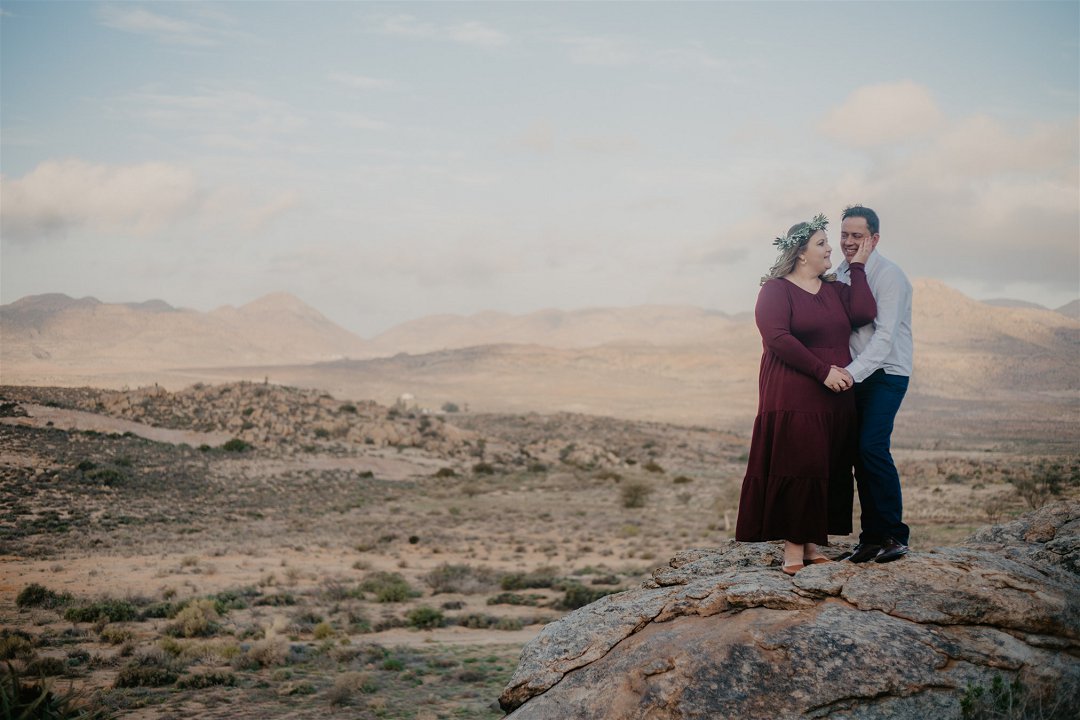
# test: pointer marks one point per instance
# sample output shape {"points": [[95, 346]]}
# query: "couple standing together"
{"points": [[835, 367]]}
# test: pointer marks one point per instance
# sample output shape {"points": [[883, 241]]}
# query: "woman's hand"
{"points": [[866, 246], [838, 380]]}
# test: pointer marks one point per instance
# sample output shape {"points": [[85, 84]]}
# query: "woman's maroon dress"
{"points": [[798, 484]]}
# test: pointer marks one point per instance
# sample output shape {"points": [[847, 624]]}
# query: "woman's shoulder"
{"points": [[773, 284]]}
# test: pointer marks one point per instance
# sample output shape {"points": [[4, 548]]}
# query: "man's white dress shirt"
{"points": [[886, 343]]}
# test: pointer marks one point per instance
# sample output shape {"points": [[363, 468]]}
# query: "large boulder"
{"points": [[723, 633]]}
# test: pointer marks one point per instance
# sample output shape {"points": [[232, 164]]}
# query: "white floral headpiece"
{"points": [[820, 222]]}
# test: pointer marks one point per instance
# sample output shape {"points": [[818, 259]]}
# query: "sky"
{"points": [[389, 161]]}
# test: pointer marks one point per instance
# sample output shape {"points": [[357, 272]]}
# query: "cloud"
{"points": [[602, 51], [723, 256], [693, 55], [63, 195], [163, 28], [964, 199], [259, 217], [606, 144], [361, 82], [360, 121], [538, 137], [542, 138], [469, 32], [223, 119], [883, 114]]}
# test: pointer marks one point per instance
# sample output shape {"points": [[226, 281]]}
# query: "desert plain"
{"points": [[374, 531]]}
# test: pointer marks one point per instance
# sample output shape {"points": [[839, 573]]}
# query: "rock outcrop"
{"points": [[723, 633]]}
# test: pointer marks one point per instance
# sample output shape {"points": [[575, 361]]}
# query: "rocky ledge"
{"points": [[723, 633]]}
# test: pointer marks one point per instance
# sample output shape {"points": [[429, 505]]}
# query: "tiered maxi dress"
{"points": [[798, 484]]}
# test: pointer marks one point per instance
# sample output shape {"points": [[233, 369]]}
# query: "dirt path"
{"points": [[63, 419]]}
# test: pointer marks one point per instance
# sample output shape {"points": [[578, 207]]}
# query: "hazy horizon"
{"points": [[388, 161]]}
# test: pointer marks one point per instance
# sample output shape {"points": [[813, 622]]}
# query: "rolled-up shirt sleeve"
{"points": [[773, 316], [893, 294]]}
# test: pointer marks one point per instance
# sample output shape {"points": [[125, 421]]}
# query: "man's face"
{"points": [[852, 231]]}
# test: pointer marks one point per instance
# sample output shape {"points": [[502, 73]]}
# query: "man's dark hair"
{"points": [[863, 212]]}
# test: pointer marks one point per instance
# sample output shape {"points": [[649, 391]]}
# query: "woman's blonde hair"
{"points": [[799, 236]]}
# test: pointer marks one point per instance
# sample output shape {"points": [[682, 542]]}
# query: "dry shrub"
{"points": [[199, 618], [348, 684], [270, 652], [199, 681], [464, 579], [634, 494], [151, 668], [116, 635], [15, 644]]}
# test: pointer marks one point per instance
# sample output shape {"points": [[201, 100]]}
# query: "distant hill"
{"points": [[663, 325], [1071, 309], [969, 349], [975, 363], [54, 332], [978, 367], [1012, 303]]}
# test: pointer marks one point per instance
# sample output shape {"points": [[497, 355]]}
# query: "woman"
{"points": [[798, 485]]}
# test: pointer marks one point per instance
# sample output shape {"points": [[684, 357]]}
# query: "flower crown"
{"points": [[820, 222]]}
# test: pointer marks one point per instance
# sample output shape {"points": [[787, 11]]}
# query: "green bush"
{"points": [[236, 445], [106, 476], [393, 665], [652, 467], [483, 468], [35, 595], [138, 674], [46, 666], [227, 600], [509, 598], [160, 610], [425, 618], [388, 587], [479, 621], [543, 577], [577, 595], [199, 681], [111, 610]]}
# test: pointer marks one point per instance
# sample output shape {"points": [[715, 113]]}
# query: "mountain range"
{"points": [[672, 363]]}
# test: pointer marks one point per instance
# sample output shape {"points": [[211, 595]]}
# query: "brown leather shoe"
{"points": [[792, 569], [817, 561]]}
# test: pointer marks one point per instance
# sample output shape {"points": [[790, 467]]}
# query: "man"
{"points": [[883, 361]]}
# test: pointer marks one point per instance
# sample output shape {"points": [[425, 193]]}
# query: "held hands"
{"points": [[840, 379]]}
